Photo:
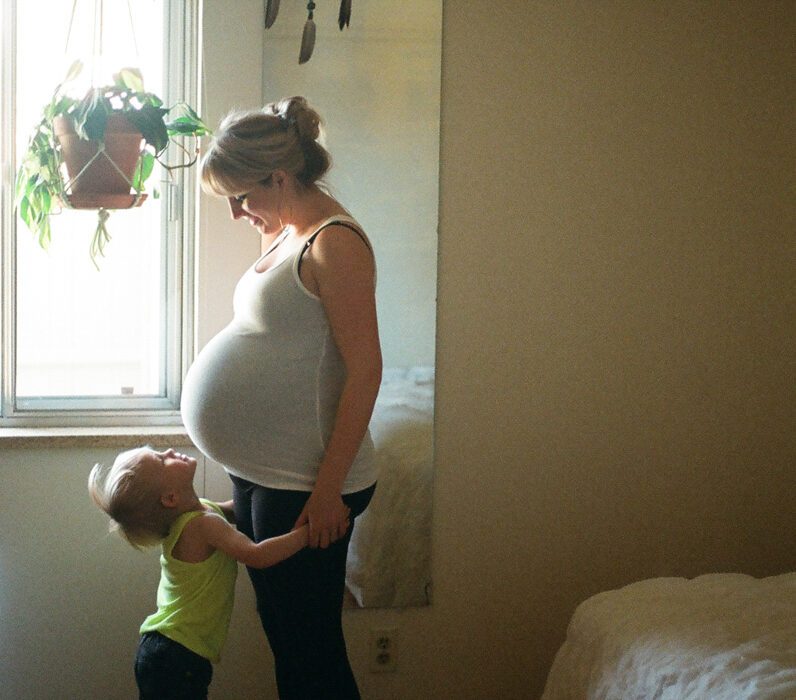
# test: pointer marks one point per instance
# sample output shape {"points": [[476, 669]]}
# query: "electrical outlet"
{"points": [[383, 649]]}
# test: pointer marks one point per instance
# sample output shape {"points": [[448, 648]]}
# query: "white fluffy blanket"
{"points": [[715, 637], [389, 562]]}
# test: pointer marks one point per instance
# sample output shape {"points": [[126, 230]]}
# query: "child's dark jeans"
{"points": [[166, 670]]}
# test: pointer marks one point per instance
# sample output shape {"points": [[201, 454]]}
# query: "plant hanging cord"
{"points": [[72, 22], [132, 31], [100, 152], [97, 47], [69, 31]]}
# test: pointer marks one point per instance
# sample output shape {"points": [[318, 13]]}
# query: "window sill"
{"points": [[112, 437]]}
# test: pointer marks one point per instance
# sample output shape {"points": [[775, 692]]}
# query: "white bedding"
{"points": [[715, 637], [389, 562]]}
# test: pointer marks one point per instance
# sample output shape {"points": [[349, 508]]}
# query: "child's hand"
{"points": [[327, 515], [305, 535]]}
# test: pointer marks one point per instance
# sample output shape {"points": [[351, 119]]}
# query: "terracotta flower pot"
{"points": [[122, 145]]}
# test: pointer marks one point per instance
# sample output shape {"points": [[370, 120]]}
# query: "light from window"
{"points": [[83, 332]]}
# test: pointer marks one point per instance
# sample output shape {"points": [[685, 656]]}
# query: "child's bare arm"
{"points": [[221, 535]]}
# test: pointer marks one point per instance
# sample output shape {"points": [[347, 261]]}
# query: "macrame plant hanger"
{"points": [[102, 203]]}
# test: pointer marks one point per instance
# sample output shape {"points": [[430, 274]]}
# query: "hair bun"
{"points": [[295, 111]]}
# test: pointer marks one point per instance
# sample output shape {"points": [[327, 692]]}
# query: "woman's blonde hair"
{"points": [[250, 145], [131, 498]]}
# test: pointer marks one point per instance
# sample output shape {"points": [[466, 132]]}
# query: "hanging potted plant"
{"points": [[97, 152]]}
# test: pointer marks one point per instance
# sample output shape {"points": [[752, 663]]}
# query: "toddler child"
{"points": [[150, 498]]}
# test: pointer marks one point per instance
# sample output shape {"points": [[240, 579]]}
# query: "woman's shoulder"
{"points": [[338, 233], [338, 249]]}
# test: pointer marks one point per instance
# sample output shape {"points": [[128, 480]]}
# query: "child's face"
{"points": [[174, 470]]}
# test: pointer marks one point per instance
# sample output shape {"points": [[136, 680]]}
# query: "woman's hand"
{"points": [[327, 517]]}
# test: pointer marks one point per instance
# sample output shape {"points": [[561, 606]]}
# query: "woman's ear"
{"points": [[169, 499], [279, 177]]}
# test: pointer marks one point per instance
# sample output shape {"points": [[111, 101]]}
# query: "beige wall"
{"points": [[615, 364], [615, 394]]}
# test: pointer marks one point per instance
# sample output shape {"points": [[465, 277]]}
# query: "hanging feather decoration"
{"points": [[307, 36], [345, 14], [271, 11]]}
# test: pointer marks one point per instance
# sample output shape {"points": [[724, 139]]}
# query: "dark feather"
{"points": [[307, 41], [345, 14], [271, 11]]}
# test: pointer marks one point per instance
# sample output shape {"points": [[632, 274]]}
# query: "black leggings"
{"points": [[300, 600]]}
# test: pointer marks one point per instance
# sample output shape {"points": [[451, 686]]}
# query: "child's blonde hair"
{"points": [[131, 499]]}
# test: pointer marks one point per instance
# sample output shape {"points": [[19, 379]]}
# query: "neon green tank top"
{"points": [[194, 600]]}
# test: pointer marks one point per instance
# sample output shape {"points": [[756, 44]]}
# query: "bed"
{"points": [[389, 562], [714, 637]]}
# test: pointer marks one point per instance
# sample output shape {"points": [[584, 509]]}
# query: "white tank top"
{"points": [[260, 399]]}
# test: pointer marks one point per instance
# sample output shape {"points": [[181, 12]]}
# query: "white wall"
{"points": [[614, 377], [72, 596], [377, 86], [232, 64]]}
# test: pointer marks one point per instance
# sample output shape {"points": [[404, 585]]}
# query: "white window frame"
{"points": [[180, 198]]}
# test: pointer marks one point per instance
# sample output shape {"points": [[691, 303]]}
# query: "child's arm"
{"points": [[221, 535]]}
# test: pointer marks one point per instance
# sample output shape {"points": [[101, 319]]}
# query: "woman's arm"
{"points": [[228, 510], [343, 269], [219, 534]]}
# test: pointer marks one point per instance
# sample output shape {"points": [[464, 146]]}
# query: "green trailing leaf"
{"points": [[146, 164], [188, 123], [153, 100], [149, 121], [46, 200], [185, 126], [91, 116], [191, 113], [21, 184], [193, 116], [129, 78], [24, 211], [74, 70], [61, 106]]}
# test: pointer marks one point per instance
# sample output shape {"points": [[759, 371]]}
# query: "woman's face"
{"points": [[259, 206]]}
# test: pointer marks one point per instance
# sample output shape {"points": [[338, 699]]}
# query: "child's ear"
{"points": [[169, 499]]}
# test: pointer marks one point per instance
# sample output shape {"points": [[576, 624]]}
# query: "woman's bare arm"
{"points": [[343, 268]]}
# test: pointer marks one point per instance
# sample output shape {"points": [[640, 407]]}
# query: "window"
{"points": [[82, 346]]}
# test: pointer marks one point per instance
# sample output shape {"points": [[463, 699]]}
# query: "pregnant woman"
{"points": [[282, 397]]}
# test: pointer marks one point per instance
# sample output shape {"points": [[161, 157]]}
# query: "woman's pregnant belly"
{"points": [[252, 409]]}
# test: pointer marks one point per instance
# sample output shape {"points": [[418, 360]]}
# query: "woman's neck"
{"points": [[311, 206]]}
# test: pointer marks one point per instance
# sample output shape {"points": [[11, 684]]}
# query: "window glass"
{"points": [[81, 331]]}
